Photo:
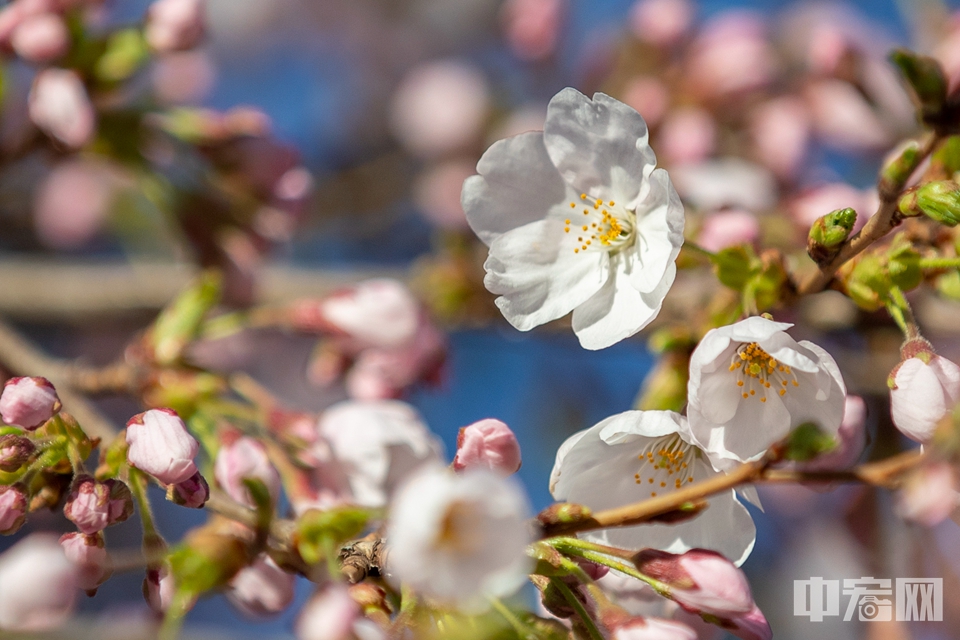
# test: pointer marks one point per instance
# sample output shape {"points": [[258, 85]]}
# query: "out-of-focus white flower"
{"points": [[28, 402], [923, 388], [687, 135], [577, 219], [377, 444], [331, 614], [843, 118], [89, 555], [245, 458], [262, 589], [439, 108], [60, 106], [726, 182], [661, 22], [38, 585], [641, 454], [487, 444], [374, 313], [459, 538], [751, 383], [728, 228], [159, 444], [41, 38], [175, 25], [532, 26]]}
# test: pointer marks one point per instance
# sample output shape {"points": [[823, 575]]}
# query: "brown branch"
{"points": [[883, 221]]}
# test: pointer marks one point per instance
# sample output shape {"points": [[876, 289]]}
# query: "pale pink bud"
{"points": [[60, 106], [852, 438], [192, 492], [38, 585], [487, 444], [161, 446], [922, 390], [175, 25], [649, 96], [661, 22], [329, 615], [94, 506], [654, 629], [41, 38], [380, 313], [687, 136], [15, 451], [751, 626], [89, 555], [532, 26], [439, 108], [262, 589], [929, 495], [159, 588], [245, 458], [728, 228], [13, 508], [28, 402], [700, 581]]}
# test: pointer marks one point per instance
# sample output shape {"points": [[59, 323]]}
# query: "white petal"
{"points": [[651, 424], [756, 426], [919, 401], [659, 233], [599, 146], [786, 350], [753, 329], [721, 396], [538, 276], [517, 185], [558, 463]]}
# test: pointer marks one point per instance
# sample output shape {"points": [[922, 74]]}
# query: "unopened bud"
{"points": [[89, 555], [925, 77], [192, 492], [28, 402], [94, 506], [15, 451], [923, 388], [701, 581], [13, 508], [899, 168], [160, 445], [262, 589], [866, 281], [487, 444], [828, 233], [939, 200]]}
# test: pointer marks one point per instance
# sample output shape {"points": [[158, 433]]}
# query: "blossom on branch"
{"points": [[923, 388], [28, 402], [751, 384], [637, 455], [578, 219], [161, 446]]}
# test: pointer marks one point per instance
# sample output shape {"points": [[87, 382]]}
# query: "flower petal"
{"points": [[651, 424], [517, 185], [599, 146], [659, 233]]}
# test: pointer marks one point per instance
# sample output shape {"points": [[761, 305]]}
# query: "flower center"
{"points": [[757, 368], [602, 225], [666, 463], [458, 531]]}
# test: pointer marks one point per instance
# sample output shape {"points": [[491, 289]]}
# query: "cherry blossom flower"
{"points": [[332, 614], [700, 581], [654, 629], [642, 454], [41, 38], [245, 458], [487, 444], [751, 383], [161, 446], [661, 22], [59, 105], [262, 589], [459, 538], [929, 495], [578, 219], [89, 555], [94, 506], [377, 444], [175, 25], [923, 388], [37, 585], [28, 402], [13, 508], [728, 228]]}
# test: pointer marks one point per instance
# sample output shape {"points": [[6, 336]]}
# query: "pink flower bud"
{"points": [[751, 626], [700, 581], [661, 22], [159, 588], [245, 458], [41, 38], [60, 106], [28, 402], [94, 506], [37, 585], [15, 451], [175, 25], [728, 228], [161, 446], [13, 508], [262, 589], [487, 444], [929, 495], [329, 615], [532, 26], [654, 629], [89, 555], [923, 388], [192, 492]]}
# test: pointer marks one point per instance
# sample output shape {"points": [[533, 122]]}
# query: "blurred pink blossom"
{"points": [[41, 38], [13, 508], [532, 26], [159, 588], [331, 614], [929, 495], [175, 25], [439, 108], [38, 585], [725, 182], [59, 105], [948, 53], [487, 444], [842, 117], [852, 438], [819, 201], [649, 96], [73, 202], [437, 193], [261, 589], [89, 555], [731, 55], [751, 626], [653, 629], [183, 77], [728, 228], [241, 459], [373, 313], [780, 133], [661, 22], [687, 135]]}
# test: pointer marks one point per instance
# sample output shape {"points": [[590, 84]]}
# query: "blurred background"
{"points": [[301, 145]]}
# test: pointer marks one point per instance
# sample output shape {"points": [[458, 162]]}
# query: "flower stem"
{"points": [[693, 246], [940, 263], [522, 629], [565, 544], [901, 312], [577, 605], [138, 487]]}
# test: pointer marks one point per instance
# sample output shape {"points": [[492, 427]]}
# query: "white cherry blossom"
{"points": [[636, 455], [751, 383], [578, 219]]}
